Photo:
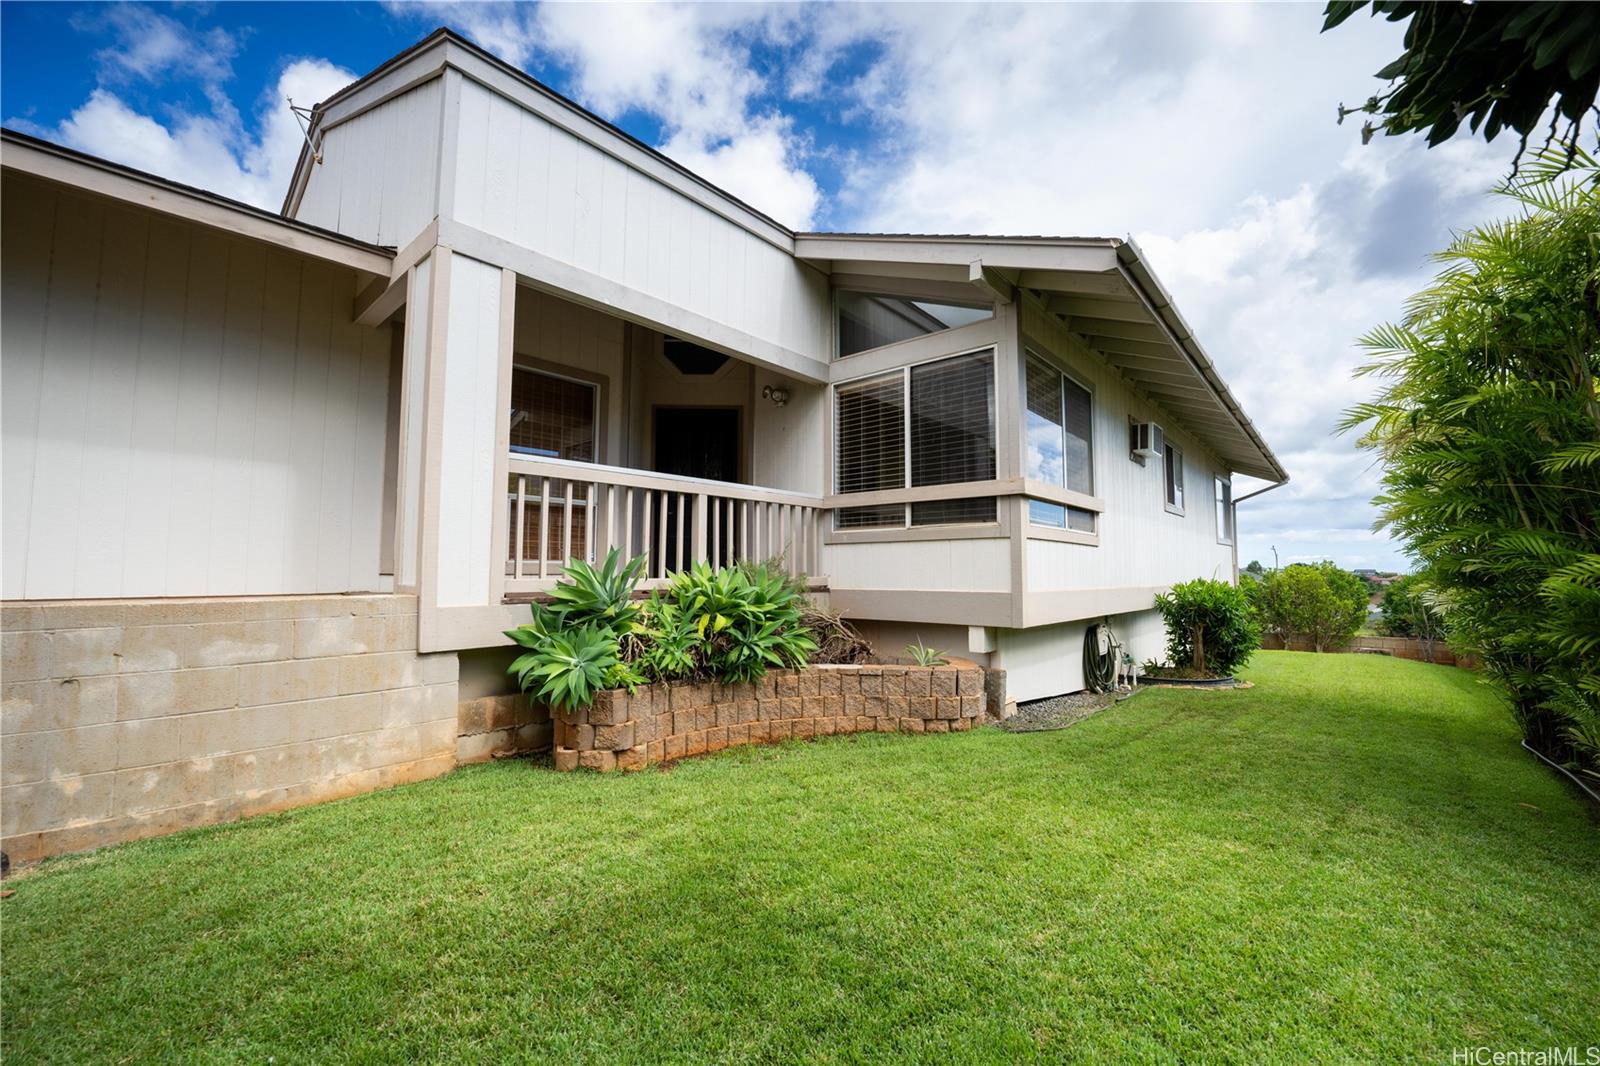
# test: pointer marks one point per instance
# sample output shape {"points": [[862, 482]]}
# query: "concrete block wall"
{"points": [[495, 718], [665, 721], [125, 719]]}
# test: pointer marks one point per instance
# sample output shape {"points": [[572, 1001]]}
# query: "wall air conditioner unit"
{"points": [[1145, 441]]}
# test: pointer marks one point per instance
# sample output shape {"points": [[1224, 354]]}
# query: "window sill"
{"points": [[1174, 510], [1064, 536], [973, 531]]}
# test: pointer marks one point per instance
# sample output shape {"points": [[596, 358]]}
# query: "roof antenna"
{"points": [[305, 116]]}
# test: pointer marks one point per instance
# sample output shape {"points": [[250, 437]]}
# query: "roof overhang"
{"points": [[23, 154], [1100, 288]]}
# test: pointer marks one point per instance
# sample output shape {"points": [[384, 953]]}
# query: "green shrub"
{"points": [[1211, 627], [1409, 610], [730, 624], [1317, 601], [748, 619]]}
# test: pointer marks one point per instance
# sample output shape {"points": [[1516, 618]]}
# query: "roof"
{"points": [[27, 154], [1100, 288]]}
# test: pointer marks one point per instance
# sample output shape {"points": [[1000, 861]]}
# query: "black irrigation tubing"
{"points": [[1563, 769]]}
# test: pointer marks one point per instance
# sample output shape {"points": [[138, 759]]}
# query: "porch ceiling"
{"points": [[1101, 289]]}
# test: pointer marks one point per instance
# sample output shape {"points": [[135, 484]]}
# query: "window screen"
{"points": [[867, 321], [1224, 497], [1060, 427], [952, 420], [552, 416]]}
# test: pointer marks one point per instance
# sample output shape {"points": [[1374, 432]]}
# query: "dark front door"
{"points": [[697, 442]]}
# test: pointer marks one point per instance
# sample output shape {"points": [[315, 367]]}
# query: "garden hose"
{"points": [[1100, 649]]}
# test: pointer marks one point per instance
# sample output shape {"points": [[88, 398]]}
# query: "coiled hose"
{"points": [[1099, 667]]}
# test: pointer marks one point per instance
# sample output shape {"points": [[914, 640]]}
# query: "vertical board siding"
{"points": [[413, 412], [186, 414], [470, 433], [1140, 542], [522, 179], [972, 565], [378, 179]]}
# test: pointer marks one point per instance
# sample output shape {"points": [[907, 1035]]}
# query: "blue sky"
{"points": [[1205, 132]]}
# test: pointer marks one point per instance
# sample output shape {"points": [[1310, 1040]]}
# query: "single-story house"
{"points": [[274, 483]]}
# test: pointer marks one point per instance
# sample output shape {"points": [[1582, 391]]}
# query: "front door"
{"points": [[698, 442]]}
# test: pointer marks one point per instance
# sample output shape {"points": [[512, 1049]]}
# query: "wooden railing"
{"points": [[559, 510]]}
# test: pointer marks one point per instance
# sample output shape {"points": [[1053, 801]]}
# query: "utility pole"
{"points": [[1274, 557]]}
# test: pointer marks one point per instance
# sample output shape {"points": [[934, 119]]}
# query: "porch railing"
{"points": [[559, 509]]}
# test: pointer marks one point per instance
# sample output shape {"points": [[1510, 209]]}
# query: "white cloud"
{"points": [[211, 150], [688, 67]]}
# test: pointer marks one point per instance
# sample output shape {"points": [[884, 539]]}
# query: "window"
{"points": [[1059, 426], [552, 417], [867, 321], [1173, 468], [931, 424], [1224, 497], [870, 430]]}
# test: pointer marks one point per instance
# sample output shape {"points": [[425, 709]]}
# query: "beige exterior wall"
{"points": [[185, 412], [126, 719]]}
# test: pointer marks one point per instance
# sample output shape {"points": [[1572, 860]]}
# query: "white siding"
{"points": [[379, 175], [1048, 660], [975, 565], [469, 439], [519, 178], [1140, 542], [185, 414]]}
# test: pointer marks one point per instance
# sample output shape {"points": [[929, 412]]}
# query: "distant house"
{"points": [[275, 483]]}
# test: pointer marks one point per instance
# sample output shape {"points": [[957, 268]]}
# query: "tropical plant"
{"points": [[599, 597], [1488, 430], [748, 619], [1316, 601], [1211, 626], [923, 655], [565, 666], [1492, 66]]}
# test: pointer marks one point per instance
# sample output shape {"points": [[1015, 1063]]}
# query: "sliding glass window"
{"points": [[1060, 451]]}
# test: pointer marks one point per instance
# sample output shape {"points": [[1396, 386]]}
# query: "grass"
{"points": [[1353, 860]]}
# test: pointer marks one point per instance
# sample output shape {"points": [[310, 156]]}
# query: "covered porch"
{"points": [[623, 436]]}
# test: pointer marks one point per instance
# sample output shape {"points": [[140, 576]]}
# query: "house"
{"points": [[274, 484]]}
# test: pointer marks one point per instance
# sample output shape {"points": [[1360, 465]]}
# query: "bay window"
{"points": [[920, 426], [1059, 424]]}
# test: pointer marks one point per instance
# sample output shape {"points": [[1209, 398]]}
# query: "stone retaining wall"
{"points": [[665, 721], [125, 719]]}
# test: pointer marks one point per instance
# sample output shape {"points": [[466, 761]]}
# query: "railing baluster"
{"points": [[648, 499], [715, 510], [517, 541], [627, 524], [661, 533], [566, 524], [544, 524]]}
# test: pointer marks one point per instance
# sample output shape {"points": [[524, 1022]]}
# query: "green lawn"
{"points": [[1353, 860]]}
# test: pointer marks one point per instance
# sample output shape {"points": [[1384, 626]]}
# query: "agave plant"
{"points": [[605, 596], [923, 655]]}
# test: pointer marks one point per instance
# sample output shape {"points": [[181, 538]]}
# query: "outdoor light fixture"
{"points": [[776, 393]]}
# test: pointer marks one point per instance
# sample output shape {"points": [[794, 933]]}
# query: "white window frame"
{"points": [[905, 386], [1174, 503], [1222, 494], [1050, 364]]}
